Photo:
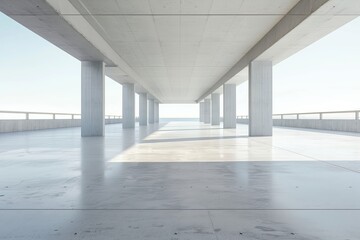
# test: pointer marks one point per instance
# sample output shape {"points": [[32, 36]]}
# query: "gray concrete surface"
{"points": [[343, 125], [151, 111], [201, 111], [143, 109], [281, 28], [229, 105], [92, 98], [128, 103], [324, 124], [207, 111], [266, 48], [156, 112], [41, 124], [260, 98], [56, 185], [215, 109]]}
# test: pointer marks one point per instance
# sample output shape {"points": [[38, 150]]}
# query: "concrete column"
{"points": [[207, 111], [215, 109], [229, 107], [128, 103], [143, 109], [92, 98], [201, 111], [260, 98], [156, 112], [151, 111]]}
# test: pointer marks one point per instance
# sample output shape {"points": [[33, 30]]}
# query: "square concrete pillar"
{"points": [[201, 111], [215, 109], [143, 109], [92, 98], [229, 108], [128, 103], [156, 112], [207, 111], [151, 111], [260, 98]]}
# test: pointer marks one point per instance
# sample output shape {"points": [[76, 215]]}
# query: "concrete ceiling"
{"points": [[180, 51], [182, 47]]}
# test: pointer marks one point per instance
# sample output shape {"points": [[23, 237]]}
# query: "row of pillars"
{"points": [[146, 115], [93, 102], [210, 108], [260, 102]]}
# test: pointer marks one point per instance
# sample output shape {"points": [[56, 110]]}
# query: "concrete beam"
{"points": [[69, 26], [44, 20], [128, 103], [143, 109], [92, 98], [215, 109], [207, 111], [301, 11], [151, 111], [229, 107], [260, 98]]}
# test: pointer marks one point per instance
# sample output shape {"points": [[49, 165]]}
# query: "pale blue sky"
{"points": [[37, 76]]}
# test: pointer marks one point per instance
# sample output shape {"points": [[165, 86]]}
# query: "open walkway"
{"points": [[181, 180]]}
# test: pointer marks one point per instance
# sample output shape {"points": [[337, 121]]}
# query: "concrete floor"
{"points": [[180, 181]]}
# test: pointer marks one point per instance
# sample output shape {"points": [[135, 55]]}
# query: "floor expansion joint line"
{"points": [[276, 147], [303, 155], [335, 165], [212, 225], [187, 209]]}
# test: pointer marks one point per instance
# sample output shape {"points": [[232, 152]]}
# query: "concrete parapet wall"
{"points": [[325, 124], [113, 121], [39, 124], [242, 121]]}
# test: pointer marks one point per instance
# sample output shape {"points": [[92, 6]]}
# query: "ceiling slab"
{"points": [[182, 47], [180, 50], [305, 23]]}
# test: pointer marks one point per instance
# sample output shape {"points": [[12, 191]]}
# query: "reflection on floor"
{"points": [[179, 181]]}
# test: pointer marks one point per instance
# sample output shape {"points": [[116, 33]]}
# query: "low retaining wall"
{"points": [[325, 124], [39, 124]]}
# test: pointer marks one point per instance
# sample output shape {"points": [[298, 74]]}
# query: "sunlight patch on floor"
{"points": [[193, 142]]}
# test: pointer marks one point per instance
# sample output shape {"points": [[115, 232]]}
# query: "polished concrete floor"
{"points": [[181, 180]]}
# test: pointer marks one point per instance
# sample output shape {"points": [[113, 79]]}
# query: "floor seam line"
{"points": [[212, 224], [319, 160], [273, 146], [189, 209]]}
